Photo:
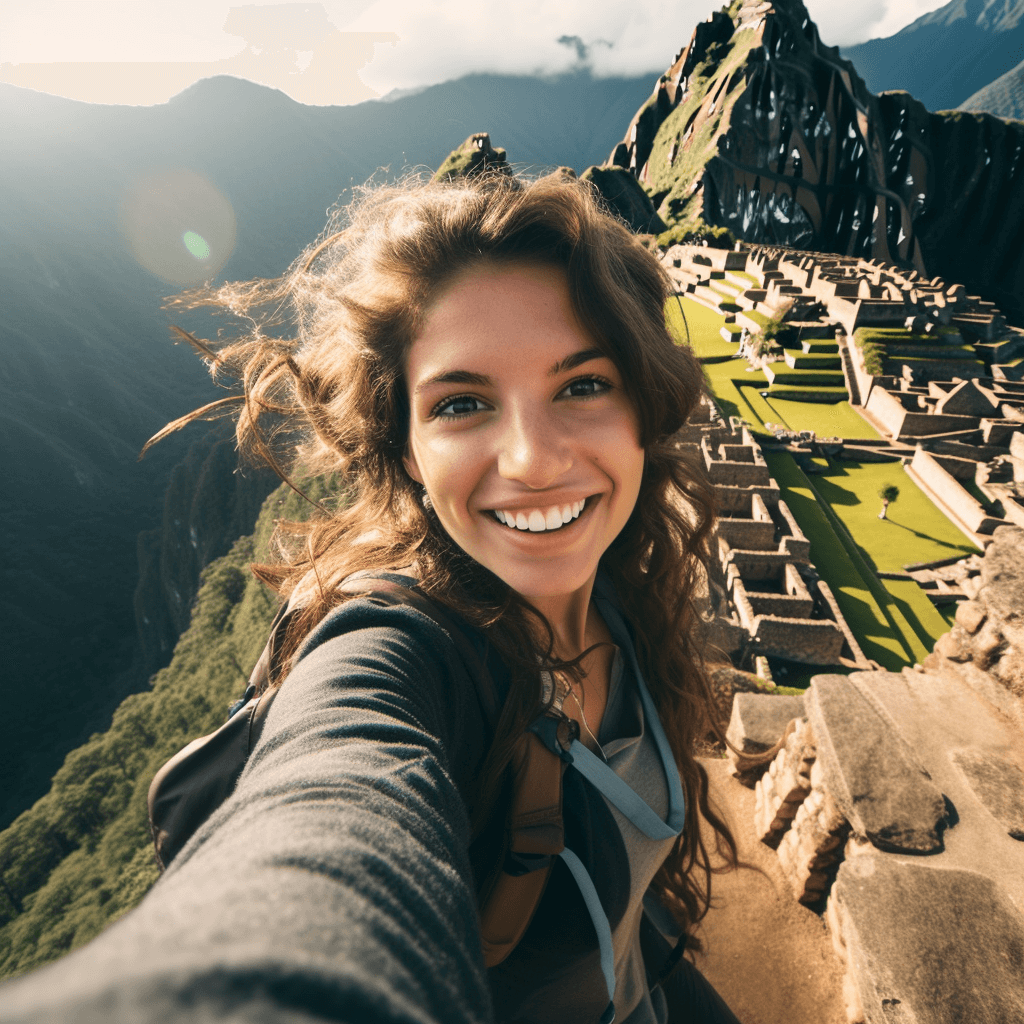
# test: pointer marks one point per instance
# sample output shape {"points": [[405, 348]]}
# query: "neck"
{"points": [[569, 618]]}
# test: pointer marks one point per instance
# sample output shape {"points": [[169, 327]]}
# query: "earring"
{"points": [[425, 500]]}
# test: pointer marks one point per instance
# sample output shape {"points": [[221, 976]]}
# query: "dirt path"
{"points": [[769, 957]]}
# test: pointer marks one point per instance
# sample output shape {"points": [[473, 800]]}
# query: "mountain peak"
{"points": [[760, 132]]}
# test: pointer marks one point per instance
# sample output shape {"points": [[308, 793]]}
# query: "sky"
{"points": [[145, 51]]}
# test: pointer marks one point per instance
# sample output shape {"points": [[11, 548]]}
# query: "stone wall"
{"points": [[729, 468], [895, 803], [950, 495], [889, 409]]}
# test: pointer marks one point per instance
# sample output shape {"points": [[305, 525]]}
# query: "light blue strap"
{"points": [[604, 594], [620, 793], [601, 926]]}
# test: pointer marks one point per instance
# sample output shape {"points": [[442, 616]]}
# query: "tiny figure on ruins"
{"points": [[888, 493]]}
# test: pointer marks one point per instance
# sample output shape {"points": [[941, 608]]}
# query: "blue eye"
{"points": [[457, 407]]}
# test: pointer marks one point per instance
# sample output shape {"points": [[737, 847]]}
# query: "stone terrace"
{"points": [[777, 604], [934, 370], [895, 803]]}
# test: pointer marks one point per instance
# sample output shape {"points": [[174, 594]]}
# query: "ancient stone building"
{"points": [[775, 604]]}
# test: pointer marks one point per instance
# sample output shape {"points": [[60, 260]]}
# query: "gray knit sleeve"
{"points": [[334, 884]]}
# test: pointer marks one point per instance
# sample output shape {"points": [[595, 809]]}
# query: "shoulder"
{"points": [[368, 618], [392, 658]]}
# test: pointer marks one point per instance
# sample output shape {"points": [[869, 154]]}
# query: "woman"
{"points": [[487, 365]]}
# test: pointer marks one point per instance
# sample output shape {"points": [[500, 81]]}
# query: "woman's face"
{"points": [[517, 421]]}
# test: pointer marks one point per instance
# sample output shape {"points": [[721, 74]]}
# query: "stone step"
{"points": [[730, 332], [813, 362], [744, 279], [780, 373], [752, 319], [820, 347], [796, 393]]}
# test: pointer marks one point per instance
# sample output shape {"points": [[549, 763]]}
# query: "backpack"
{"points": [[203, 774]]}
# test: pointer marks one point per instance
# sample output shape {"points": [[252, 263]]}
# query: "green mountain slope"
{"points": [[81, 856]]}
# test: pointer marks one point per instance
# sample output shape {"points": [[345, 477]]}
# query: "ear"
{"points": [[411, 465]]}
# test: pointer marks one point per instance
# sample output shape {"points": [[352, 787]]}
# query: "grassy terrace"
{"points": [[915, 531], [705, 328], [894, 620], [862, 599]]}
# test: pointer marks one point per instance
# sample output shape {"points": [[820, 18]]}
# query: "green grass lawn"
{"points": [[704, 324], [759, 406], [919, 611], [730, 381], [838, 419], [916, 531], [878, 637]]}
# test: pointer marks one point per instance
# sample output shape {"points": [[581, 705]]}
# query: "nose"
{"points": [[533, 449]]}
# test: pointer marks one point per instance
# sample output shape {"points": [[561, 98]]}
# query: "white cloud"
{"points": [[845, 24], [438, 40]]}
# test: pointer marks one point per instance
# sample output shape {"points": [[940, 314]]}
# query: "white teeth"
{"points": [[536, 521]]}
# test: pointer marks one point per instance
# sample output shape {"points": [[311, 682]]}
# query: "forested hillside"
{"points": [[82, 856]]}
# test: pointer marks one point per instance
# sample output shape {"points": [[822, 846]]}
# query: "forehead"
{"points": [[498, 312]]}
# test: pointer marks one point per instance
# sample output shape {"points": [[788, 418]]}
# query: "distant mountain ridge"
{"points": [[1004, 97], [89, 373], [947, 55]]}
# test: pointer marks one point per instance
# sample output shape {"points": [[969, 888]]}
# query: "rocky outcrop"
{"points": [[759, 131], [626, 198], [896, 806], [474, 156]]}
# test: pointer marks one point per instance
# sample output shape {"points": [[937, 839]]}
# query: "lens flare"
{"points": [[178, 226], [196, 244]]}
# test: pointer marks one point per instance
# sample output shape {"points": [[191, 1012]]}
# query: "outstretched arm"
{"points": [[334, 883]]}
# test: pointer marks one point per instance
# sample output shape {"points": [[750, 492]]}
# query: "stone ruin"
{"points": [[895, 803], [957, 427], [770, 600]]}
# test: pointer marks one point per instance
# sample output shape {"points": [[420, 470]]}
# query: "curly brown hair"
{"points": [[335, 395]]}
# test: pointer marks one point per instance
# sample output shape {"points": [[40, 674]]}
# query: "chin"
{"points": [[547, 581]]}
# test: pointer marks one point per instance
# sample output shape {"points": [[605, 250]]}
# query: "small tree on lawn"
{"points": [[888, 493]]}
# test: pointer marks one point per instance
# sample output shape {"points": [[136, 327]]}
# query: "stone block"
{"points": [[930, 946], [870, 771], [970, 615], [759, 720], [998, 783]]}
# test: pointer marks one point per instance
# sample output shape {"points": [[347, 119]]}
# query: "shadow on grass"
{"points": [[926, 635], [928, 537], [833, 493]]}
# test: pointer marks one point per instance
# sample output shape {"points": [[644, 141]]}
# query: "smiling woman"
{"points": [[485, 364]]}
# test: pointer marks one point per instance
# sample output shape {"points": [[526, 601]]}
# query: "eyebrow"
{"points": [[570, 362]]}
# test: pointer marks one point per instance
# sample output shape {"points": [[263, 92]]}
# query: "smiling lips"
{"points": [[537, 521]]}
